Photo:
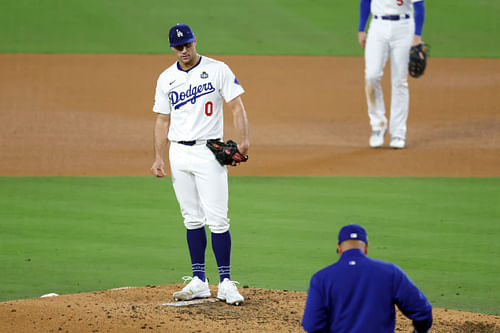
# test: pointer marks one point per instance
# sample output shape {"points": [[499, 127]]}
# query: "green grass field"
{"points": [[70, 235], [453, 28]]}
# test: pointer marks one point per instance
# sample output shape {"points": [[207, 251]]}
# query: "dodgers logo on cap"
{"points": [[180, 34]]}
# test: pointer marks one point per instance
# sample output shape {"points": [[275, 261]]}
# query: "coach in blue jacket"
{"points": [[357, 294]]}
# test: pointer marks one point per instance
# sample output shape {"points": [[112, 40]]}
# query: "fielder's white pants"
{"points": [[388, 39], [201, 187]]}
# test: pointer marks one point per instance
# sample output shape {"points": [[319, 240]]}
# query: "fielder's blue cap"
{"points": [[180, 34], [354, 232]]}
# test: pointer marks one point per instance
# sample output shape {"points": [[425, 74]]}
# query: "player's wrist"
{"points": [[417, 39], [243, 148]]}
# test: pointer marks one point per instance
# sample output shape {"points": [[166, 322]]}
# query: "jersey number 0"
{"points": [[209, 108]]}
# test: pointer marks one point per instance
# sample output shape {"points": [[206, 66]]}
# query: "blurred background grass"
{"points": [[453, 28]]}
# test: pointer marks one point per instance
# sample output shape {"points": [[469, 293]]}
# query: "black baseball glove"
{"points": [[418, 59], [226, 153]]}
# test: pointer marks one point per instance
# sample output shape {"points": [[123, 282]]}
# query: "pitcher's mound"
{"points": [[143, 308]]}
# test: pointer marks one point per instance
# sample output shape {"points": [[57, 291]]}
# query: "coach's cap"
{"points": [[352, 232], [180, 34]]}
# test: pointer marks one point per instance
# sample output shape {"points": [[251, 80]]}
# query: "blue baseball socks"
{"points": [[197, 243], [221, 244]]}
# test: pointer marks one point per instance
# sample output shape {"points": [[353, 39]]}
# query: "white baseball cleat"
{"points": [[377, 138], [398, 143], [194, 289], [229, 292]]}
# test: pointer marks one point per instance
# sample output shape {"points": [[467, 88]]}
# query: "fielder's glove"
{"points": [[226, 153], [416, 67]]}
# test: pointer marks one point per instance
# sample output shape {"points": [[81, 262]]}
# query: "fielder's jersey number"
{"points": [[400, 2]]}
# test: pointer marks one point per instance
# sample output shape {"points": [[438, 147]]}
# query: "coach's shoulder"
{"points": [[383, 265]]}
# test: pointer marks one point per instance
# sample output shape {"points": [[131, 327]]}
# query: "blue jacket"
{"points": [[357, 294]]}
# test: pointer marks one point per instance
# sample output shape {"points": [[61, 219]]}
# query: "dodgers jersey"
{"points": [[194, 99], [392, 7]]}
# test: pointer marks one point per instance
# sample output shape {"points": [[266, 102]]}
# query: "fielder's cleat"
{"points": [[229, 292], [377, 138], [194, 289], [398, 143]]}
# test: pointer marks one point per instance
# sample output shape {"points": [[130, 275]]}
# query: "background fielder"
{"points": [[396, 25], [189, 102]]}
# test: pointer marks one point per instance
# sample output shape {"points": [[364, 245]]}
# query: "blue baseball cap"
{"points": [[354, 232], [180, 34]]}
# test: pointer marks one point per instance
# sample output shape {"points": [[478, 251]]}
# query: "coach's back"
{"points": [[358, 294]]}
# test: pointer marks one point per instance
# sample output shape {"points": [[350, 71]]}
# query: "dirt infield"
{"points": [[142, 310], [91, 115]]}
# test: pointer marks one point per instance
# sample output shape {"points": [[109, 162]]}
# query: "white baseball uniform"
{"points": [[194, 99], [390, 35]]}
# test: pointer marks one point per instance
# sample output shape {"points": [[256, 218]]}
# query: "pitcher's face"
{"points": [[186, 54]]}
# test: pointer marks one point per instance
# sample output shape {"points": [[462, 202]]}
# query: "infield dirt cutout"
{"points": [[91, 115]]}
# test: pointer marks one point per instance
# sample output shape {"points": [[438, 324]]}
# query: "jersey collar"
{"points": [[352, 253], [187, 71]]}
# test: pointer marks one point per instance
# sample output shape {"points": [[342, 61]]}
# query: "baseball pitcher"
{"points": [[189, 104]]}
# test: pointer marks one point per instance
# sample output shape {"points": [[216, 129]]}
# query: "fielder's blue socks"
{"points": [[221, 244], [197, 243]]}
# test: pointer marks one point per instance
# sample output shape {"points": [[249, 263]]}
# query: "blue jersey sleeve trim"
{"points": [[364, 13], [419, 17]]}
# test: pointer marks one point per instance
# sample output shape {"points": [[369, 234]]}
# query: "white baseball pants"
{"points": [[388, 39], [201, 187]]}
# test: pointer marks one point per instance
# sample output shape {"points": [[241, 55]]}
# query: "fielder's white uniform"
{"points": [[389, 38], [194, 99]]}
